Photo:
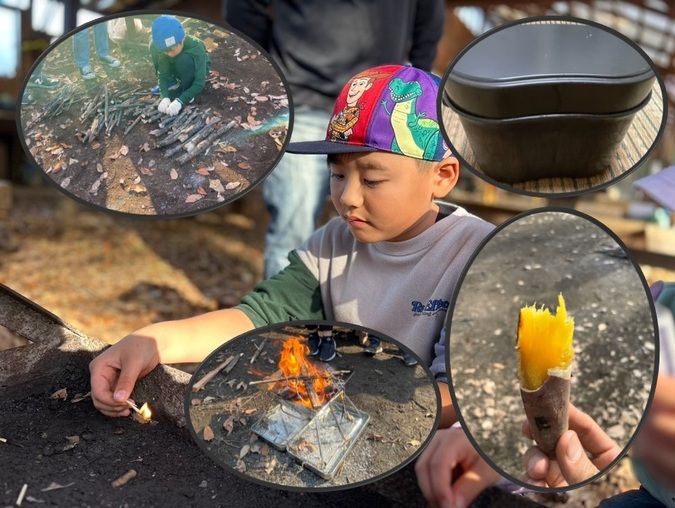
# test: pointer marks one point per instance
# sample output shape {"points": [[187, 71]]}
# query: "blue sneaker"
{"points": [[327, 349], [373, 347], [313, 342], [155, 89], [408, 359]]}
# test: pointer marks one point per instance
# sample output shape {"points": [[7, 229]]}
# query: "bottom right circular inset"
{"points": [[553, 349]]}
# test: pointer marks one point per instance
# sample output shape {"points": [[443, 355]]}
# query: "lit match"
{"points": [[143, 413]]}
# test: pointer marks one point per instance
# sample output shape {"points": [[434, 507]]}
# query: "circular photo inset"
{"points": [[565, 328], [154, 114], [552, 106], [312, 405]]}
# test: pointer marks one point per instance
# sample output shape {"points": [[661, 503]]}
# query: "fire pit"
{"points": [[315, 421]]}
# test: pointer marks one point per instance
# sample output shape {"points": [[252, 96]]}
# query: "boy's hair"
{"points": [[422, 165]]}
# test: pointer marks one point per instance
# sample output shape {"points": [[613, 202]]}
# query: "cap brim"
{"points": [[326, 147]]}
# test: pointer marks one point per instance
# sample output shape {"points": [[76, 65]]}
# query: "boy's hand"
{"points": [[572, 463], [655, 445], [174, 108], [163, 105], [450, 472], [115, 372]]}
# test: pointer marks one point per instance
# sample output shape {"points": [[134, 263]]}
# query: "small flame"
{"points": [[145, 412], [293, 364]]}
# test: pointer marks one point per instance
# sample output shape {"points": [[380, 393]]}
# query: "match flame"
{"points": [[145, 412], [293, 363]]}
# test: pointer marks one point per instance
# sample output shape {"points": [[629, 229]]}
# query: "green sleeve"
{"points": [[292, 294], [164, 74], [201, 70]]}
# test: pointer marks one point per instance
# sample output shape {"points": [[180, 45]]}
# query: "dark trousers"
{"points": [[632, 499]]}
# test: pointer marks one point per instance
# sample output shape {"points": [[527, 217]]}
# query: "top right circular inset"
{"points": [[552, 106]]}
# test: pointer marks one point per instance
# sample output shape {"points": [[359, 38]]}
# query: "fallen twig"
{"points": [[258, 351], [125, 478], [211, 374]]}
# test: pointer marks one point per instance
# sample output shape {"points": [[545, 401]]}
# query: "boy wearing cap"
{"points": [[389, 262], [181, 64]]}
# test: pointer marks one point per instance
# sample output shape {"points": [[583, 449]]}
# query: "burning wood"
{"points": [[301, 378]]}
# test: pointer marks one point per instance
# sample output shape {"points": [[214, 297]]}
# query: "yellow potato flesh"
{"points": [[544, 343]]}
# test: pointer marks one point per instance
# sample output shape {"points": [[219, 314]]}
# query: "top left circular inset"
{"points": [[155, 114]]}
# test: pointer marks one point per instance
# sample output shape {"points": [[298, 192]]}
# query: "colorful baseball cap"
{"points": [[390, 108], [167, 31]]}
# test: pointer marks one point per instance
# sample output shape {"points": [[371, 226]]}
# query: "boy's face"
{"points": [[388, 197], [175, 50]]}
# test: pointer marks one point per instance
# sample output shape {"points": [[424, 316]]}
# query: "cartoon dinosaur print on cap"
{"points": [[414, 135]]}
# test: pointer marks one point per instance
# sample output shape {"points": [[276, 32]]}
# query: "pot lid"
{"points": [[549, 67]]}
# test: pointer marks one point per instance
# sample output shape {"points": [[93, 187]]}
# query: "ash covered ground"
{"points": [[529, 262]]}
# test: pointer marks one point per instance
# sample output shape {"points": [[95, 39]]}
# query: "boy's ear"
{"points": [[447, 174]]}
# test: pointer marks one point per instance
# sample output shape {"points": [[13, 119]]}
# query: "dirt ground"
{"points": [[400, 401], [529, 262], [129, 172], [108, 276]]}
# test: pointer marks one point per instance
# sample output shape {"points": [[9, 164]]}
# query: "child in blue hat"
{"points": [[181, 64]]}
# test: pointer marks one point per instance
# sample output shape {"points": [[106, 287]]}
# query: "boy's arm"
{"points": [[438, 369], [292, 294], [162, 71], [200, 75]]}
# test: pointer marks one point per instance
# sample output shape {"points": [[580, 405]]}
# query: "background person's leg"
{"points": [[81, 48], [295, 192], [103, 45]]}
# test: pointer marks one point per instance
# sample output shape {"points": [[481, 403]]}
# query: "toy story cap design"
{"points": [[391, 108]]}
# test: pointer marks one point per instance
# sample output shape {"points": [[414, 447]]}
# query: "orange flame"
{"points": [[294, 364]]}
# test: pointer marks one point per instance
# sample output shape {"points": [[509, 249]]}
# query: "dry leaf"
{"points": [[244, 451], [72, 161], [137, 179], [244, 165], [95, 186], [208, 433], [202, 171], [262, 98], [99, 168], [201, 190], [58, 167], [60, 394], [146, 171], [232, 185], [145, 147], [65, 182], [193, 197], [216, 185], [240, 466], [124, 149], [228, 424], [95, 145], [250, 411], [151, 163], [264, 450], [173, 174], [79, 397], [139, 188], [269, 467], [414, 442]]}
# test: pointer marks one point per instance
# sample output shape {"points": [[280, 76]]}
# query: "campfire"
{"points": [[315, 421], [302, 380]]}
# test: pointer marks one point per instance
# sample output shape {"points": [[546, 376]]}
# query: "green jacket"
{"points": [[196, 49]]}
